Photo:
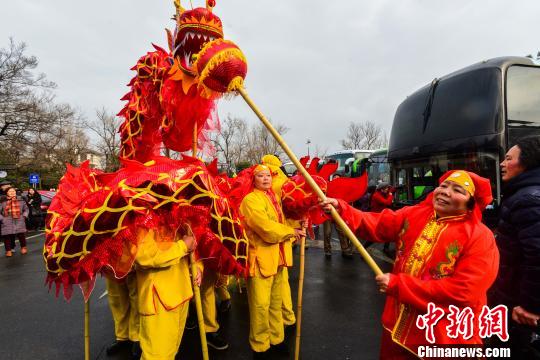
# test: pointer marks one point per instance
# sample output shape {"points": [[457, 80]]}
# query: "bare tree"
{"points": [[364, 135], [229, 141], [372, 134], [42, 141], [74, 144], [354, 139], [37, 134], [105, 126], [320, 152], [238, 143], [260, 142], [23, 93], [383, 143]]}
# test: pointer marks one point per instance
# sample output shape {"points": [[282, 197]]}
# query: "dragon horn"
{"points": [[178, 6], [210, 4]]}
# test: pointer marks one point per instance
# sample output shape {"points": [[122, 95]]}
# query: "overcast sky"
{"points": [[314, 66]]}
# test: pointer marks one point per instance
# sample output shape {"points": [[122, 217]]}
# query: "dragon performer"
{"points": [[94, 221]]}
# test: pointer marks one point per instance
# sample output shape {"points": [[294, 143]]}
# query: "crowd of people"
{"points": [[17, 214]]}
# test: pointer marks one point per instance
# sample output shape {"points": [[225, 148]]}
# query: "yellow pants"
{"points": [[122, 297], [287, 307], [222, 291], [208, 299], [265, 314], [161, 333]]}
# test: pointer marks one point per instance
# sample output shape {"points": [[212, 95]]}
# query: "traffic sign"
{"points": [[33, 178]]}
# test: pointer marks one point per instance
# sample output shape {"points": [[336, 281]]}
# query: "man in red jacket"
{"points": [[381, 199], [445, 256]]}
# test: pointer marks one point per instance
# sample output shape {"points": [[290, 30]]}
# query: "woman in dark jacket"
{"points": [[33, 199], [13, 213], [518, 238]]}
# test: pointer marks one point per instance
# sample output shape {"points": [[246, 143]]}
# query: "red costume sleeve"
{"points": [[474, 273], [380, 227]]}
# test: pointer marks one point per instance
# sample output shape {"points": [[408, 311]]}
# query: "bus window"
{"points": [[378, 170], [423, 182], [418, 178], [464, 106], [401, 187], [523, 105]]}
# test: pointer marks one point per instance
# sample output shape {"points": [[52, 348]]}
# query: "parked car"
{"points": [[46, 198]]}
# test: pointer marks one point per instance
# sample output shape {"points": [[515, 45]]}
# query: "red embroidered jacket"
{"points": [[447, 261]]}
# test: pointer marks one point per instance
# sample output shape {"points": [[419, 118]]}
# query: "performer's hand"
{"points": [[190, 242], [328, 203], [382, 282], [198, 278], [523, 317], [299, 233]]}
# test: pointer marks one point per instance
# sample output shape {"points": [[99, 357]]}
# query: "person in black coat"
{"points": [[33, 200], [518, 238]]}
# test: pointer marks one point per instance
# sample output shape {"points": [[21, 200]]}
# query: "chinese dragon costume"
{"points": [[92, 222]]}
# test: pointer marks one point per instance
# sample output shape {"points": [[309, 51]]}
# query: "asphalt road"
{"points": [[341, 313]]}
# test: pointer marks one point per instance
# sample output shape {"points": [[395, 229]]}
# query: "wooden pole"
{"points": [[198, 306], [194, 143], [87, 330], [194, 270], [335, 215], [300, 294]]}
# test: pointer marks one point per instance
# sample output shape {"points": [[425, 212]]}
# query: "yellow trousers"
{"points": [[287, 306], [122, 297], [222, 291], [265, 298], [161, 334], [208, 299]]}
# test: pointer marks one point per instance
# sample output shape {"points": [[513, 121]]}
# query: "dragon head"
{"points": [[195, 28]]}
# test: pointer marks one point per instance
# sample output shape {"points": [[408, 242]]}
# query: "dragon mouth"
{"points": [[196, 28], [190, 42]]}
